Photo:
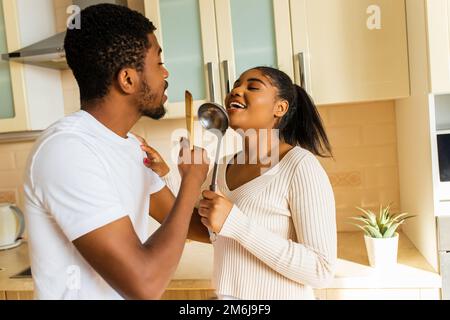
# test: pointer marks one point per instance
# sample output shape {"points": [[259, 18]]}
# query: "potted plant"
{"points": [[380, 235]]}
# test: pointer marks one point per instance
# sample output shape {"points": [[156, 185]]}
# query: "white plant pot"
{"points": [[382, 252]]}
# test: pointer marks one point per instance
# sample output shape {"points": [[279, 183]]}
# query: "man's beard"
{"points": [[145, 101]]}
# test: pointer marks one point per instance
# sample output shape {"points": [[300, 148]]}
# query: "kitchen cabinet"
{"points": [[350, 50], [189, 290], [30, 97], [438, 24], [252, 33], [381, 294], [187, 34], [183, 292], [207, 44], [420, 119], [13, 115], [19, 295], [340, 51]]}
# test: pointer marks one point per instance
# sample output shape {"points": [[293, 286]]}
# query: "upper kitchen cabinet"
{"points": [[350, 50], [12, 97], [187, 34], [438, 21], [30, 96], [252, 33], [206, 44]]}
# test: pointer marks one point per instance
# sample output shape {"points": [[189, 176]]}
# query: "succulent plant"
{"points": [[383, 226]]}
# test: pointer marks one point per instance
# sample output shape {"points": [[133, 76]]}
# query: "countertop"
{"points": [[353, 270]]}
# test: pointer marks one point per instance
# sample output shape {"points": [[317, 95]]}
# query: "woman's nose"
{"points": [[236, 92]]}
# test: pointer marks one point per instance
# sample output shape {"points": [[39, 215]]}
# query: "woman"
{"points": [[275, 225]]}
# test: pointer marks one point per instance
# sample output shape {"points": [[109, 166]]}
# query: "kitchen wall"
{"points": [[364, 171]]}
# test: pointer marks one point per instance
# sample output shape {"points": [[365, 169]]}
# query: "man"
{"points": [[87, 189]]}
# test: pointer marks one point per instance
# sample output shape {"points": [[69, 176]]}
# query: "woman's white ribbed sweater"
{"points": [[279, 240]]}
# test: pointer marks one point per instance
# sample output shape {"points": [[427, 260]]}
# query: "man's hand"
{"points": [[214, 210], [154, 160], [193, 163]]}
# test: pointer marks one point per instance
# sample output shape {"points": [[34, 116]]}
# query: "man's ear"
{"points": [[128, 80], [281, 107]]}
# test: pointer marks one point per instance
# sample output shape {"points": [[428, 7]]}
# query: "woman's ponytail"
{"points": [[301, 125], [304, 126]]}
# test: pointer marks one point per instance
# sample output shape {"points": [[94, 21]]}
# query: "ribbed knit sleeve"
{"points": [[310, 260]]}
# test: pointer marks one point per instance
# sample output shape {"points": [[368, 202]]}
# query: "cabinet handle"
{"points": [[226, 70], [301, 63], [211, 82]]}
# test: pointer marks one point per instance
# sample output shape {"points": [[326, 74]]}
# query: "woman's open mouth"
{"points": [[236, 106]]}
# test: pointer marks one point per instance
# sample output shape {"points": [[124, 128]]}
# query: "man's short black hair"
{"points": [[111, 38]]}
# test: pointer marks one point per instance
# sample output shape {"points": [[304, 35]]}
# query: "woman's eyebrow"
{"points": [[257, 80]]}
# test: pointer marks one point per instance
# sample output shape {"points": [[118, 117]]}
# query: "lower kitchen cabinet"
{"points": [[321, 294], [170, 294], [19, 295], [378, 294], [189, 295], [324, 294]]}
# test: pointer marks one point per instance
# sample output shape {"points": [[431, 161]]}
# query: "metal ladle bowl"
{"points": [[214, 117]]}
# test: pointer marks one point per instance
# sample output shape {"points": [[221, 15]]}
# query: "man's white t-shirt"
{"points": [[81, 176]]}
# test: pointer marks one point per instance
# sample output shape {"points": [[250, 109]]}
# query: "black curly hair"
{"points": [[111, 38]]}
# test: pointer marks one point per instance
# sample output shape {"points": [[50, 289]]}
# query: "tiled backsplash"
{"points": [[12, 164], [364, 171]]}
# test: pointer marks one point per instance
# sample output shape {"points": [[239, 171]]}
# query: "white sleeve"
{"points": [[75, 187], [172, 181], [312, 259], [157, 183]]}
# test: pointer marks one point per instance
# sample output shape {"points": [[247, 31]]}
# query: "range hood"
{"points": [[49, 53]]}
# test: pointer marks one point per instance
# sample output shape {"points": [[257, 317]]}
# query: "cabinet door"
{"points": [[350, 50], [187, 34], [13, 115], [439, 42], [373, 294], [252, 33], [19, 295]]}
